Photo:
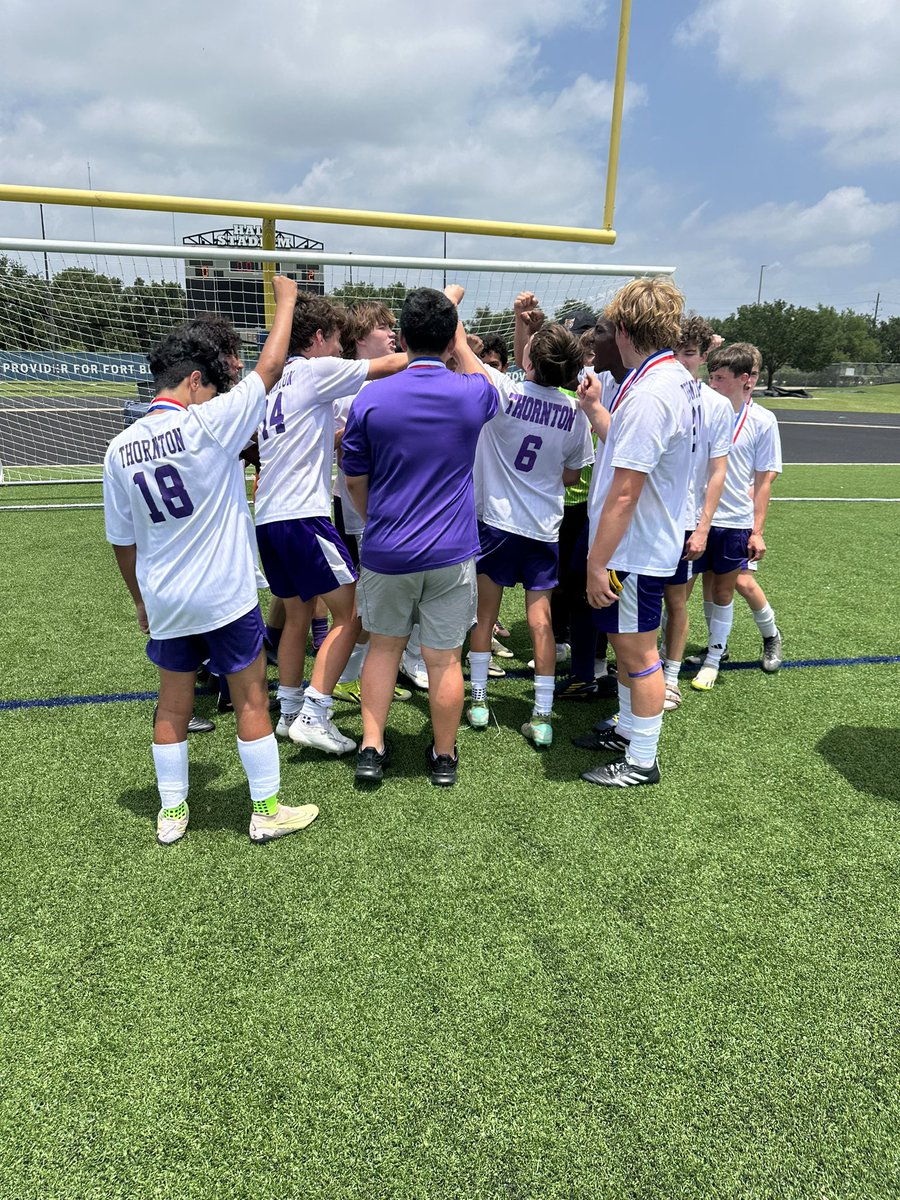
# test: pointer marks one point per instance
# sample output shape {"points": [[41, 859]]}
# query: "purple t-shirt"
{"points": [[415, 435]]}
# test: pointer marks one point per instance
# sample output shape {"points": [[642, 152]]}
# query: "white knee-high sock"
{"points": [[171, 764], [644, 740], [262, 766], [719, 629], [624, 723], [765, 621], [479, 661]]}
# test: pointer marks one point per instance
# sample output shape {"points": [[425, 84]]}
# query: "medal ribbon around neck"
{"points": [[740, 418], [166, 402], [635, 376]]}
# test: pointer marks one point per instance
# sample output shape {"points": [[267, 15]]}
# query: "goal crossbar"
{"points": [[327, 258]]}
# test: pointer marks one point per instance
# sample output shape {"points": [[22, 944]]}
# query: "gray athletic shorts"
{"points": [[444, 602]]}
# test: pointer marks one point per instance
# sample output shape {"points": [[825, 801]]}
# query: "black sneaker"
{"points": [[607, 686], [622, 773], [607, 739], [442, 767], [698, 659], [570, 687], [771, 659], [370, 764]]}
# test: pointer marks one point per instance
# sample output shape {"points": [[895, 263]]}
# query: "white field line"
{"points": [[837, 499], [839, 425]]}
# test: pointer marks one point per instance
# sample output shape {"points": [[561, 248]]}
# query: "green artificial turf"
{"points": [[519, 987]]}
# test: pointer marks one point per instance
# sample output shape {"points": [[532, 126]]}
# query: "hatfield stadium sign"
{"points": [[27, 364]]}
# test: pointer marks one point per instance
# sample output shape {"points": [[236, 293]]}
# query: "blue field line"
{"points": [[866, 660]]}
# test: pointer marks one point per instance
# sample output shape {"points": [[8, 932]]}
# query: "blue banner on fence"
{"points": [[50, 364]]}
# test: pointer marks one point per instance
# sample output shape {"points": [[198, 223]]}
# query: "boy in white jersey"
{"points": [[736, 536], [302, 553], [713, 421], [748, 586], [636, 510], [177, 516], [535, 445]]}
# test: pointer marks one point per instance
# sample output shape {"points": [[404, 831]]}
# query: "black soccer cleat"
{"points": [[622, 773], [570, 687], [606, 738]]}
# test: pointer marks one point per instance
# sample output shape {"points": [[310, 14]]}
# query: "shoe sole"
{"points": [[369, 776]]}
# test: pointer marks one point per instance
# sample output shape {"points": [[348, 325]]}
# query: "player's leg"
{"points": [[447, 611], [641, 698], [292, 660], [387, 604], [721, 619], [676, 598], [490, 597], [258, 752], [319, 623], [540, 626], [170, 749], [748, 586]]}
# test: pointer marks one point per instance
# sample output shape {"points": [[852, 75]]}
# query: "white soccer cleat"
{"points": [[501, 651], [284, 821], [171, 829], [283, 728], [320, 734], [415, 670], [705, 679]]}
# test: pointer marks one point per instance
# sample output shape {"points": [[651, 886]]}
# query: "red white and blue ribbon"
{"points": [[635, 376], [166, 402], [739, 420]]}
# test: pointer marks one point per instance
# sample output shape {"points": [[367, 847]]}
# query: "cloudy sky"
{"points": [[756, 131]]}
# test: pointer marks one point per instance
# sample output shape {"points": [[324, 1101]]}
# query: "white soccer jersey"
{"points": [[713, 425], [296, 438], [756, 447], [536, 432], [174, 487], [353, 522], [651, 431]]}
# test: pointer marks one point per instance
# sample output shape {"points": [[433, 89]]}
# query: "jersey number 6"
{"points": [[527, 456]]}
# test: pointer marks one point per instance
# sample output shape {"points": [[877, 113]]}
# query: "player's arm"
{"points": [[529, 319], [126, 558], [615, 517], [715, 481], [358, 487], [274, 352], [468, 360], [571, 475], [590, 393], [388, 364], [762, 491]]}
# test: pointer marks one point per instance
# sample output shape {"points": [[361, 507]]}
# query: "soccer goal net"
{"points": [[77, 320]]}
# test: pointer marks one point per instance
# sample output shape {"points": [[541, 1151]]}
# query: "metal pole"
{"points": [[445, 258], [759, 289], [615, 127]]}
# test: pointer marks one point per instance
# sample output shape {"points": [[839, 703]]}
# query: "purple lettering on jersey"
{"points": [[178, 438], [544, 418], [172, 441], [135, 448], [147, 448]]}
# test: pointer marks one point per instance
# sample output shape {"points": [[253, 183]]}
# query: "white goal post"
{"points": [[77, 320]]}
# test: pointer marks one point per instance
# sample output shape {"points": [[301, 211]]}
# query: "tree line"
{"points": [[78, 309]]}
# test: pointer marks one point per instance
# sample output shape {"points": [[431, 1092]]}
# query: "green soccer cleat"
{"points": [[478, 715], [539, 730]]}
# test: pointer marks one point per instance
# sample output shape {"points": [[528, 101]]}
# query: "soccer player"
{"points": [[409, 448], [301, 551], [736, 536], [636, 510], [495, 352], [535, 445], [713, 420], [177, 517], [589, 673]]}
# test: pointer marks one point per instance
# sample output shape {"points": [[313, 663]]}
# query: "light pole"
{"points": [[759, 289]]}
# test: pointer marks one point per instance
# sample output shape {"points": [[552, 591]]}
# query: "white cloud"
{"points": [[842, 215], [835, 66]]}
